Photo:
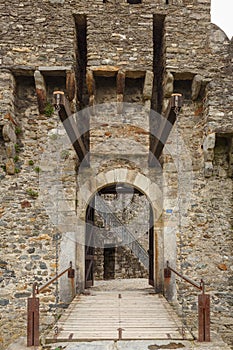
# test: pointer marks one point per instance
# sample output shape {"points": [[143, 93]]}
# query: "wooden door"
{"points": [[89, 246]]}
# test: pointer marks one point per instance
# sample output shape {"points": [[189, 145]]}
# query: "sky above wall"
{"points": [[222, 15]]}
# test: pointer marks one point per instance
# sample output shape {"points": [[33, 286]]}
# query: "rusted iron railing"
{"points": [[33, 312], [203, 305]]}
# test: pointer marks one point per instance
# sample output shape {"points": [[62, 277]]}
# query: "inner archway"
{"points": [[120, 238]]}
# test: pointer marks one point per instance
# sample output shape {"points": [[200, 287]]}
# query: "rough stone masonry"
{"points": [[135, 52]]}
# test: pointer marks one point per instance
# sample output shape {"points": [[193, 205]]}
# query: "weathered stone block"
{"points": [[168, 84], [31, 250], [4, 302], [57, 1], [35, 257], [3, 264], [148, 85], [22, 295], [208, 147], [10, 167], [165, 104], [110, 176], [25, 204], [8, 133], [223, 267], [40, 91], [10, 150], [196, 86], [29, 267], [43, 265], [209, 156], [209, 142], [208, 169], [105, 71]]}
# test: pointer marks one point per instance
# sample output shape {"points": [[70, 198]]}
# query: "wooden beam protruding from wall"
{"points": [[69, 123], [166, 123]]}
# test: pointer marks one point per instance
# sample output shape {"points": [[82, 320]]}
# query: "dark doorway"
{"points": [[109, 262]]}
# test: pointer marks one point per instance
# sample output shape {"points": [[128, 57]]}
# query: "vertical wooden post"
{"points": [[71, 274], [33, 322], [204, 317]]}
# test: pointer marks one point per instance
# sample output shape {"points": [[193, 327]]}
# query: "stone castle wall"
{"points": [[195, 59], [110, 42]]}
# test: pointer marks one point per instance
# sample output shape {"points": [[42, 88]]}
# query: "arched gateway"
{"points": [[110, 236], [79, 246]]}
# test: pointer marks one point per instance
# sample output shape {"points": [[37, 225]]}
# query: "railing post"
{"points": [[203, 316], [71, 274], [71, 271], [33, 307], [33, 319], [203, 306]]}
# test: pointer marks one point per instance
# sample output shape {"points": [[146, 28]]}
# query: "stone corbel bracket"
{"points": [[208, 149], [148, 88], [198, 87], [121, 75], [90, 81], [168, 88], [41, 91]]}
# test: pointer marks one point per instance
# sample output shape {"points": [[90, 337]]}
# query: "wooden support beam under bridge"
{"points": [[61, 104], [165, 124]]}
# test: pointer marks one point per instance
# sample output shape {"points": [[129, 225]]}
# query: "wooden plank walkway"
{"points": [[139, 314]]}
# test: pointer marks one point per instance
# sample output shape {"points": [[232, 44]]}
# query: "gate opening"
{"points": [[119, 235]]}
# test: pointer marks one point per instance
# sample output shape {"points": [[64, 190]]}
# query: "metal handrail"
{"points": [[34, 304], [203, 306], [200, 286], [37, 290]]}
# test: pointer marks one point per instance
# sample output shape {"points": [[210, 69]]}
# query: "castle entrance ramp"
{"points": [[119, 315]]}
